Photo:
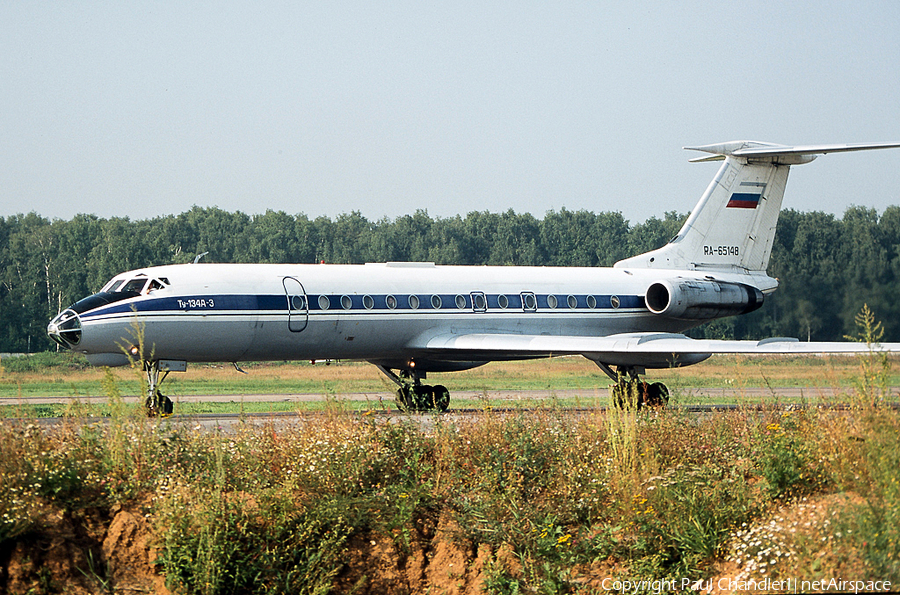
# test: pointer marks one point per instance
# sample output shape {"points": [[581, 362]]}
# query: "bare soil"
{"points": [[107, 551], [97, 551], [113, 551]]}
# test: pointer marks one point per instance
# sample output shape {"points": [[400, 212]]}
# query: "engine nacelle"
{"points": [[696, 299]]}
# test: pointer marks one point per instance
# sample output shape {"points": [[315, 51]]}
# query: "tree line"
{"points": [[828, 266]]}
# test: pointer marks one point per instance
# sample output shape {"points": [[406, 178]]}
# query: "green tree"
{"points": [[514, 240], [28, 279], [568, 238]]}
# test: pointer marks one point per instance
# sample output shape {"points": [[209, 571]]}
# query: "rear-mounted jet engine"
{"points": [[701, 300]]}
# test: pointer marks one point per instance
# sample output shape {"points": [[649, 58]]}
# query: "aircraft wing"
{"points": [[641, 349]]}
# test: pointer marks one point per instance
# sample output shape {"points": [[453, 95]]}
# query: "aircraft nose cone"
{"points": [[65, 329]]}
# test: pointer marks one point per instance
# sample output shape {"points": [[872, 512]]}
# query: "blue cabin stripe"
{"points": [[358, 303]]}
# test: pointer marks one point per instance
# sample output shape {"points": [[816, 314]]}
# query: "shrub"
{"points": [[786, 455], [43, 361]]}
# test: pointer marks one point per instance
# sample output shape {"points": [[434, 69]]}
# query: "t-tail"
{"points": [[732, 228]]}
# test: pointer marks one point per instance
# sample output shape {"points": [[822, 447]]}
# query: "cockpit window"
{"points": [[135, 285], [114, 285]]}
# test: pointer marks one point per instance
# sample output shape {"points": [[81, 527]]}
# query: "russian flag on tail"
{"points": [[747, 196]]}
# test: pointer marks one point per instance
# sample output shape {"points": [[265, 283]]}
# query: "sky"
{"points": [[142, 109]]}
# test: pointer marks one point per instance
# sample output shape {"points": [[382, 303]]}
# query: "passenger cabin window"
{"points": [[529, 303]]}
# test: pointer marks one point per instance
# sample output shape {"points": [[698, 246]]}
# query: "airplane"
{"points": [[412, 318]]}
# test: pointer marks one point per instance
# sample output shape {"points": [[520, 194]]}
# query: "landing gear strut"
{"points": [[156, 403], [631, 392], [412, 395]]}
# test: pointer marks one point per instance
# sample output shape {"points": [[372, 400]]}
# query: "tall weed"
{"points": [[787, 454]]}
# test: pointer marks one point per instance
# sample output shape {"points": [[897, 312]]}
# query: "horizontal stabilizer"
{"points": [[782, 154]]}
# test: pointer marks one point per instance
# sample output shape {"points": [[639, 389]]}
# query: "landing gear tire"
{"points": [[627, 395], [634, 394], [441, 399], [403, 400], [656, 395], [423, 397], [407, 399], [159, 405]]}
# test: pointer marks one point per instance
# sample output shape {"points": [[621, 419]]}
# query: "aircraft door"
{"points": [[298, 305]]}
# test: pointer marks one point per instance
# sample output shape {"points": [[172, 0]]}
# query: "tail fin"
{"points": [[733, 226]]}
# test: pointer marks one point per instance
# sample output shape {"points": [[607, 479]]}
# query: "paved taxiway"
{"points": [[694, 395]]}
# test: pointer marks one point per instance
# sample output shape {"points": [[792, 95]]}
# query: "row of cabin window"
{"points": [[479, 301]]}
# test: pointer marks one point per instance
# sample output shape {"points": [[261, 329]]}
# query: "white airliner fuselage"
{"points": [[420, 317], [389, 313]]}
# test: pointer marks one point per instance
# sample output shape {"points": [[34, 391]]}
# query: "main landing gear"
{"points": [[412, 395], [156, 403], [631, 392]]}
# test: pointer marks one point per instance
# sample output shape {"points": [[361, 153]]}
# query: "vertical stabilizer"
{"points": [[732, 228]]}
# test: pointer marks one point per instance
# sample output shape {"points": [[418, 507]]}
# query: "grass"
{"points": [[77, 409], [548, 497], [66, 375], [550, 502]]}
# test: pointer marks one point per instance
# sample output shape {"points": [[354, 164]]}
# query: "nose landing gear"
{"points": [[156, 403]]}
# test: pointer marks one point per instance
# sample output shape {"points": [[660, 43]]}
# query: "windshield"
{"points": [[135, 285]]}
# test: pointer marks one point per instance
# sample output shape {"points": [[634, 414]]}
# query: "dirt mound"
{"points": [[129, 555], [429, 559], [90, 552], [112, 551]]}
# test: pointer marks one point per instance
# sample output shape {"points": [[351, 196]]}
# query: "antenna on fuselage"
{"points": [[199, 256]]}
